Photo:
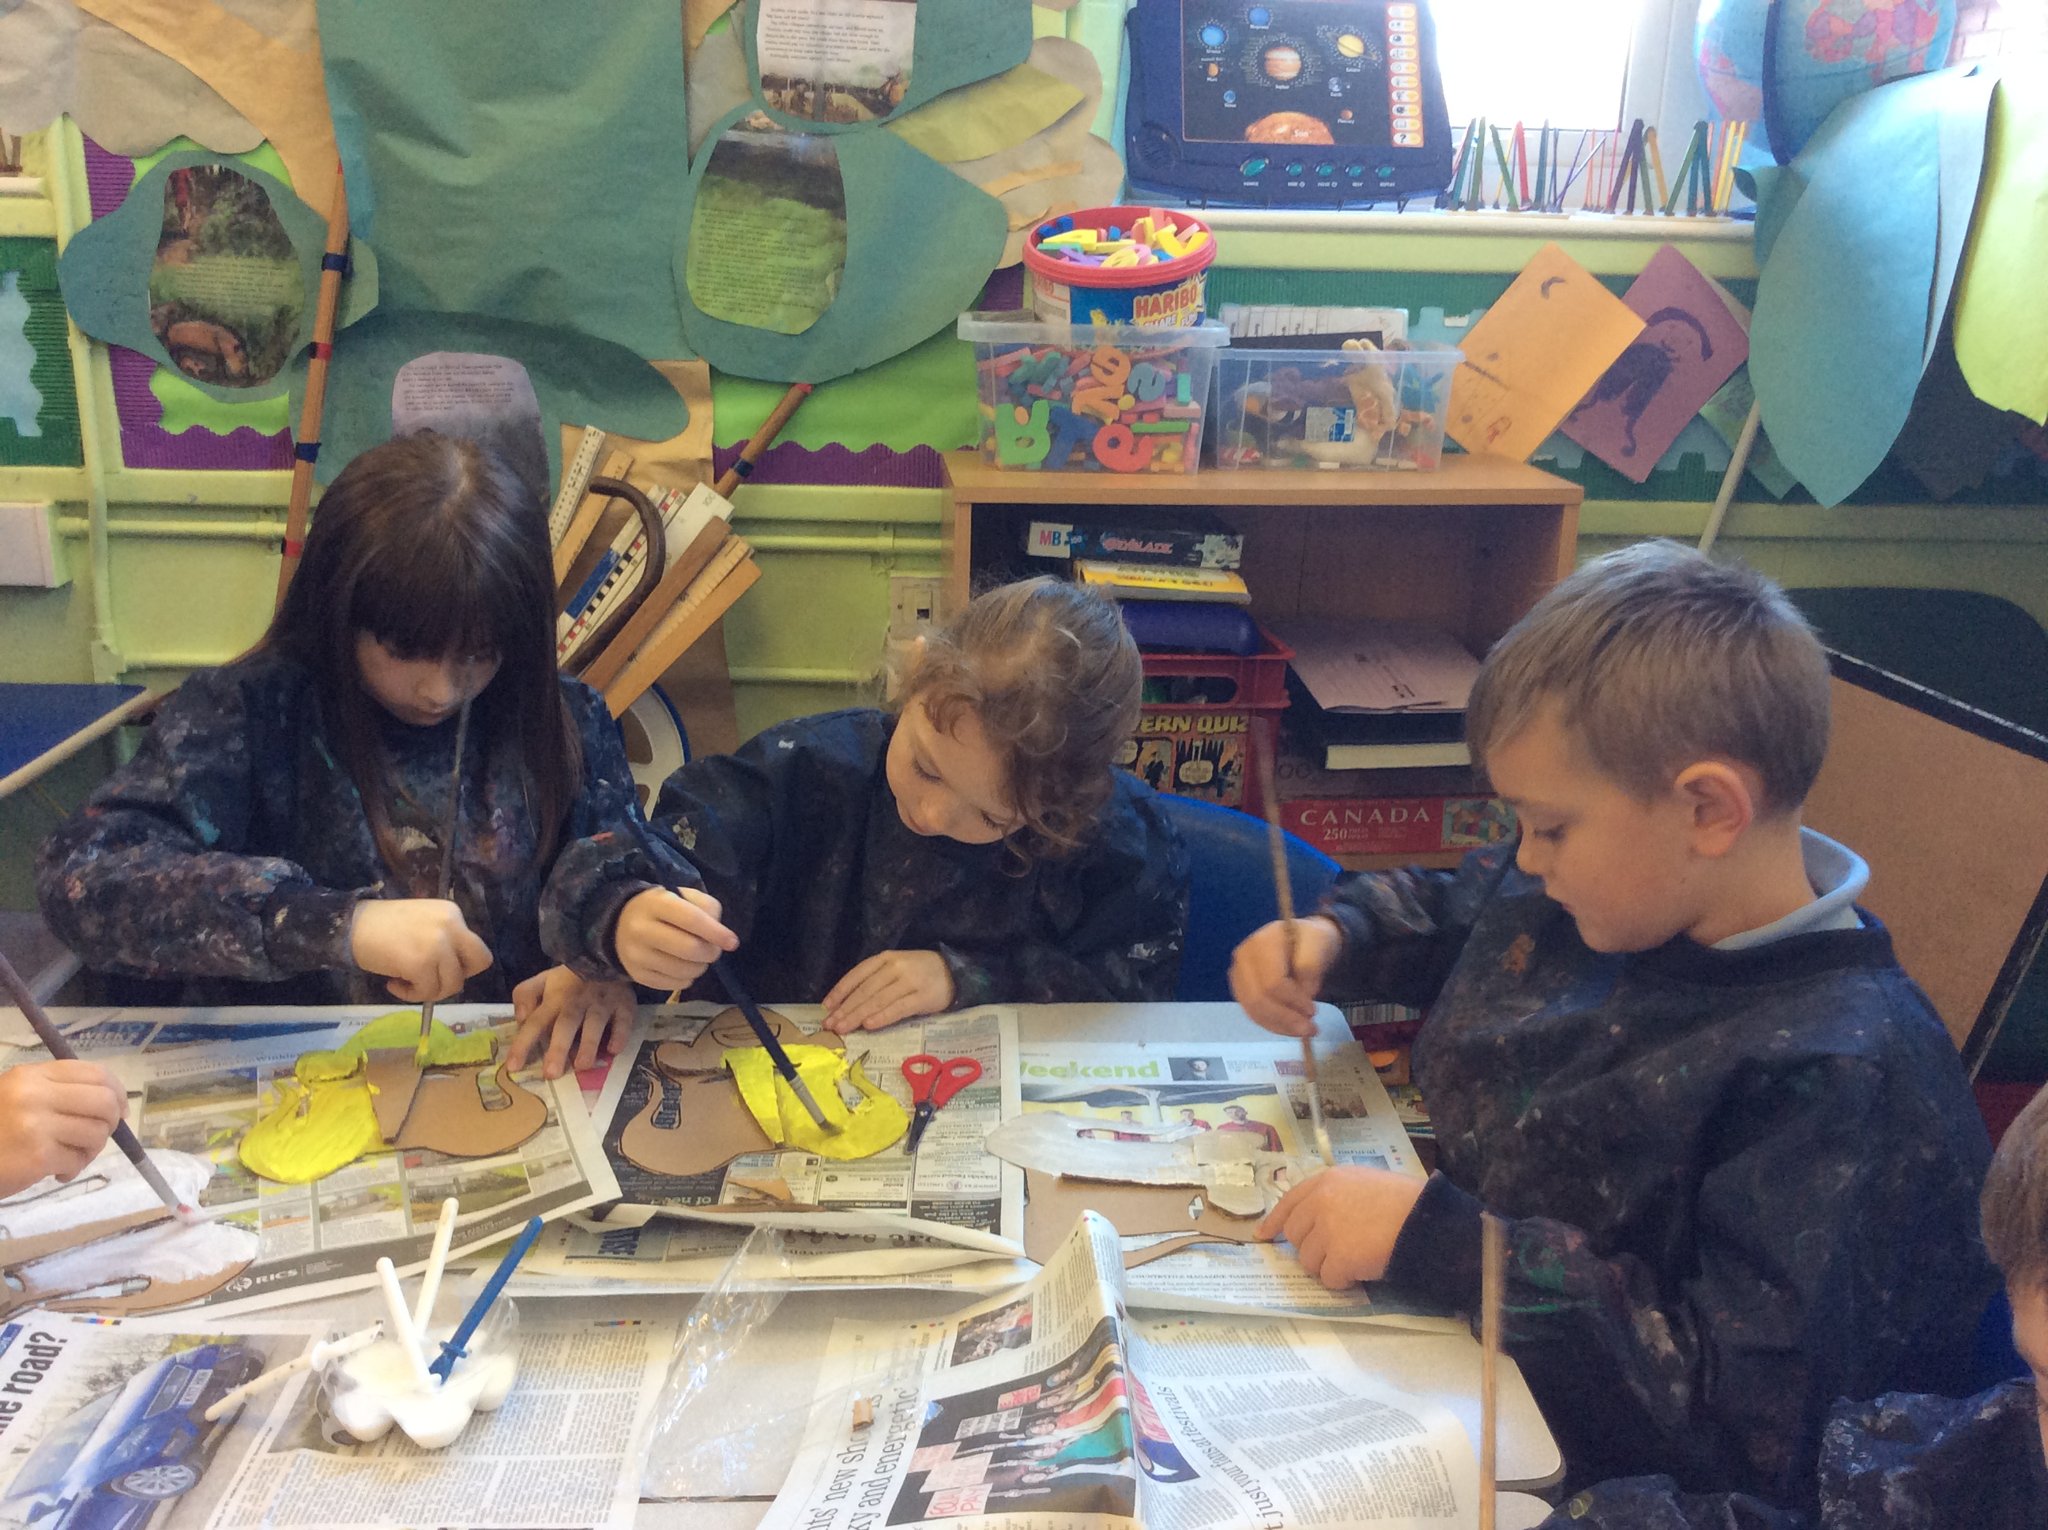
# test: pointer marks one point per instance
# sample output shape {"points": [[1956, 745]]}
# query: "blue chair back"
{"points": [[1230, 891], [1997, 1358]]}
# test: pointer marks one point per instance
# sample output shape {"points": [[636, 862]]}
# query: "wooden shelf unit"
{"points": [[1468, 548]]}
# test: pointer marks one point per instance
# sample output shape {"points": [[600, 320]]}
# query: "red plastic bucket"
{"points": [[1166, 294]]}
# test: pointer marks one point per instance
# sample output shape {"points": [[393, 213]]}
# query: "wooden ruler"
{"points": [[730, 574], [584, 521], [575, 480]]}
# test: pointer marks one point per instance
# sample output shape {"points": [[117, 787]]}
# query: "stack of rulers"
{"points": [[706, 570]]}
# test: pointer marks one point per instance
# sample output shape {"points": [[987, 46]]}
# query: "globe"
{"points": [[1820, 53]]}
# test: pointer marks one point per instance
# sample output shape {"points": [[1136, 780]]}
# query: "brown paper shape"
{"points": [[1052, 1202], [394, 1074], [450, 1114], [281, 90], [700, 15], [15, 1252], [152, 1295], [682, 461], [713, 1125], [1137, 1259]]}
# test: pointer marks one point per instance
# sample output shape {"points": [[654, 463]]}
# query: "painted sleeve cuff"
{"points": [[972, 983], [1344, 978], [1437, 1252], [597, 956], [306, 929]]}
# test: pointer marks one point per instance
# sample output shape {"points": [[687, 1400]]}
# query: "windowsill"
{"points": [[1655, 228]]}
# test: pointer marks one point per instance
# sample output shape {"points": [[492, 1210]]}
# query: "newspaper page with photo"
{"points": [[1048, 1408], [564, 1450], [103, 1423], [1255, 1088], [324, 1238], [951, 1192]]}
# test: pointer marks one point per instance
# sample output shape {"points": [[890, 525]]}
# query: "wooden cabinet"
{"points": [[1468, 548]]}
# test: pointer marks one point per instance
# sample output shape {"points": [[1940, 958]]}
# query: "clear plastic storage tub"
{"points": [[1106, 398], [1333, 409]]}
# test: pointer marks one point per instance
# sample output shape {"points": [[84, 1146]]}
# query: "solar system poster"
{"points": [[1302, 72]]}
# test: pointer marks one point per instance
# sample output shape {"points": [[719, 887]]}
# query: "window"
{"points": [[1565, 62]]}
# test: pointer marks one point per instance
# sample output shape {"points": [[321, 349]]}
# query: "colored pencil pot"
{"points": [[1376, 410], [1140, 266], [1110, 400]]}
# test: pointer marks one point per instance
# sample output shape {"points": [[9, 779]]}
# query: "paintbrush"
{"points": [[1492, 1280], [447, 882], [729, 980], [1283, 890], [124, 1136]]}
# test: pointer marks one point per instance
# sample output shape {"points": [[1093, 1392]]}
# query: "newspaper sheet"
{"points": [[1050, 1409], [326, 1237], [102, 1424], [1252, 1086], [951, 1193], [671, 1255]]}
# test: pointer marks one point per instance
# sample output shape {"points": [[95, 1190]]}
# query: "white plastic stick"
{"points": [[430, 1283], [401, 1324], [314, 1359]]}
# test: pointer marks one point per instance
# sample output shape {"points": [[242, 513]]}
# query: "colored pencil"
{"points": [[1507, 179]]}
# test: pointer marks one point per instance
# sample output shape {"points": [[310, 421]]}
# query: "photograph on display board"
{"points": [[225, 290], [768, 238], [840, 61]]}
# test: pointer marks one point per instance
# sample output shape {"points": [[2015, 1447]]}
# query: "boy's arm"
{"points": [[603, 862], [1833, 1253], [150, 877], [1124, 948], [1403, 930]]}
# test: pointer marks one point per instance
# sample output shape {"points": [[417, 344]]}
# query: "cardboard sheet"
{"points": [[126, 96], [276, 86], [1690, 345], [884, 302], [505, 184], [1842, 305], [2001, 329], [1534, 355]]}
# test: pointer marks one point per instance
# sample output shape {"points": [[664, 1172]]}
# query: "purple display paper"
{"points": [[1690, 345]]}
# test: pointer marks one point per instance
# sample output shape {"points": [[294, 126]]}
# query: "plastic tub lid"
{"points": [[1026, 328]]}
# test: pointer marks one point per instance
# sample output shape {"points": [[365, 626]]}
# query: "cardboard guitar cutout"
{"points": [[697, 1118], [336, 1106], [1214, 1188], [105, 1244]]}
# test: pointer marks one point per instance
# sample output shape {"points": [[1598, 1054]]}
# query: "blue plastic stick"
{"points": [[452, 1347]]}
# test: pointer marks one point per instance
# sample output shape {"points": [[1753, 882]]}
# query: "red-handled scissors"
{"points": [[933, 1081]]}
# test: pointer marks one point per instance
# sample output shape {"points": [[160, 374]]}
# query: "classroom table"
{"points": [[1440, 1367]]}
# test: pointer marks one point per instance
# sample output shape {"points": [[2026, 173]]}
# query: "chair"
{"points": [[1230, 888]]}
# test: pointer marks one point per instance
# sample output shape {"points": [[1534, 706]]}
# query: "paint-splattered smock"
{"points": [[798, 837], [1903, 1462], [1740, 1184], [230, 853]]}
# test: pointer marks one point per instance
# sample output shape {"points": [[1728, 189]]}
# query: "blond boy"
{"points": [[1735, 1146]]}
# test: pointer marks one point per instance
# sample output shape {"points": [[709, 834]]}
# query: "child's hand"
{"points": [[887, 987], [666, 940], [421, 944], [54, 1119], [1343, 1222], [1259, 980], [562, 1006]]}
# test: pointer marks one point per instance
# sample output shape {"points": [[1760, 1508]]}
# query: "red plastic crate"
{"points": [[1200, 744]]}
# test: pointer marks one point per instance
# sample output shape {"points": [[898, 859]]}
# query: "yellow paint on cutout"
{"points": [[878, 1121]]}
